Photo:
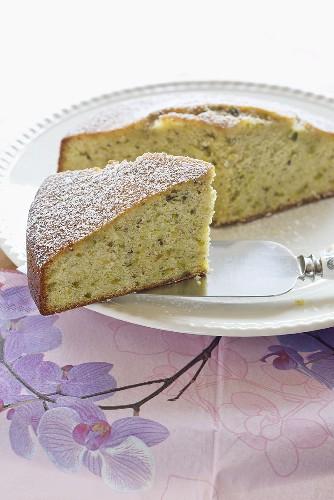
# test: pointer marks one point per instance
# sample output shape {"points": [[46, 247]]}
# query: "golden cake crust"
{"points": [[70, 206], [222, 116], [219, 116], [37, 286], [126, 119]]}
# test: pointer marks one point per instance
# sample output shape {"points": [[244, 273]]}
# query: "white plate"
{"points": [[304, 230]]}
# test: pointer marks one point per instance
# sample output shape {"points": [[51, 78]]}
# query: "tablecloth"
{"points": [[93, 407]]}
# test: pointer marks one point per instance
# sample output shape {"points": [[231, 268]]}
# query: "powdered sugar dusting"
{"points": [[221, 117], [71, 205], [224, 115]]}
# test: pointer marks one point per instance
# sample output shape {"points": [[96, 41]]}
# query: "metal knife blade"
{"points": [[241, 269]]}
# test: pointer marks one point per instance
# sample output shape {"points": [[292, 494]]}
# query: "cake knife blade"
{"points": [[250, 268]]}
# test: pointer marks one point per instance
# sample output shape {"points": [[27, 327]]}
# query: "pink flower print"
{"points": [[151, 340], [185, 344], [179, 487], [257, 422], [228, 363], [250, 348], [326, 414], [77, 433], [203, 393], [224, 361]]}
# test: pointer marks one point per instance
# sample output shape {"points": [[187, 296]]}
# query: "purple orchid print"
{"points": [[10, 387], [16, 302], [47, 378], [58, 408], [29, 335], [309, 342], [81, 380], [284, 358], [77, 433], [308, 353], [86, 379], [23, 425], [22, 341], [55, 406]]}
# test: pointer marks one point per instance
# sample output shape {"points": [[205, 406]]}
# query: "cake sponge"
{"points": [[96, 233]]}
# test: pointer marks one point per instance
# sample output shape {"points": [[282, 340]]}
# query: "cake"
{"points": [[264, 162], [94, 234]]}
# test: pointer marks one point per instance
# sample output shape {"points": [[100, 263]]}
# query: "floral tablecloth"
{"points": [[93, 407]]}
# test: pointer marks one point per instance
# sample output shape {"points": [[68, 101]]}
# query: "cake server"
{"points": [[250, 269]]}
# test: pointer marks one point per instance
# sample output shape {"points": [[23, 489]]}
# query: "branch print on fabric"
{"points": [[56, 406], [257, 394]]}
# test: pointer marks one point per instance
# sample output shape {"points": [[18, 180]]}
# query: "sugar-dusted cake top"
{"points": [[69, 206], [224, 115]]}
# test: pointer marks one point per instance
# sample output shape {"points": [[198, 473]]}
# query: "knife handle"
{"points": [[313, 267], [327, 262]]}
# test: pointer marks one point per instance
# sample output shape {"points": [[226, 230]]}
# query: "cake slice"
{"points": [[264, 162], [95, 234]]}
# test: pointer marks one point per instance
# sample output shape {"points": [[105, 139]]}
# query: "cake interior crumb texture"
{"points": [[161, 237], [264, 162]]}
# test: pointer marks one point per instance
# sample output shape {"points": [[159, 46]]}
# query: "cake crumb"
{"points": [[300, 302]]}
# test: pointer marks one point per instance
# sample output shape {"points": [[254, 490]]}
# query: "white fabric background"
{"points": [[56, 53]]}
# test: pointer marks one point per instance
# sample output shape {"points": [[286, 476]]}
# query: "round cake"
{"points": [[264, 162]]}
